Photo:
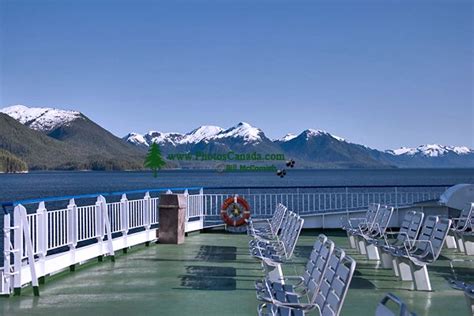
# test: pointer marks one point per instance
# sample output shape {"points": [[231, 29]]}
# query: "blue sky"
{"points": [[381, 73]]}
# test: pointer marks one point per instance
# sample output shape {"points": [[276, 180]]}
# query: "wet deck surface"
{"points": [[213, 274]]}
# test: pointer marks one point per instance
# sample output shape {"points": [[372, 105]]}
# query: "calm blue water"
{"points": [[45, 184]]}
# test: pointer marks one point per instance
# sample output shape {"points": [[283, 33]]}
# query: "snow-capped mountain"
{"points": [[431, 150], [41, 119], [206, 133], [136, 139], [244, 131], [203, 133], [325, 149], [286, 138], [307, 134], [317, 132]]}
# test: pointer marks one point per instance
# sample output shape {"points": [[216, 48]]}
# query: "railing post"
{"points": [[396, 205], [124, 219], [124, 214], [42, 238], [7, 284], [106, 227], [147, 210], [201, 202], [186, 194], [347, 202], [99, 226], [297, 201], [17, 250], [72, 232], [147, 217], [29, 249]]}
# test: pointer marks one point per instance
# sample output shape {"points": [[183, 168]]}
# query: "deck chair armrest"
{"points": [[386, 234], [298, 278], [301, 306], [419, 242], [376, 230], [455, 222]]}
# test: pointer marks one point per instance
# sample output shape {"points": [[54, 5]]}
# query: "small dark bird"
{"points": [[290, 163], [281, 173]]}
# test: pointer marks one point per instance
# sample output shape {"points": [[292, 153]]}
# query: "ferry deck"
{"points": [[213, 273]]}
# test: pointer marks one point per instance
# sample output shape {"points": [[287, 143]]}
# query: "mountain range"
{"points": [[312, 148], [48, 138]]}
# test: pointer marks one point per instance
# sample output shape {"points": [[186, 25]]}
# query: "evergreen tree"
{"points": [[153, 159]]}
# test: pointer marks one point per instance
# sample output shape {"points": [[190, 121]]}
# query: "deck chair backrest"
{"points": [[315, 252], [405, 226], [318, 265], [438, 236], [285, 226], [381, 221], [289, 229], [278, 217], [335, 283], [465, 218], [291, 221], [415, 225], [426, 232], [411, 226], [387, 213], [291, 243], [371, 214]]}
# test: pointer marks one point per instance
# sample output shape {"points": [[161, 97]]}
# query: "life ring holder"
{"points": [[237, 201]]}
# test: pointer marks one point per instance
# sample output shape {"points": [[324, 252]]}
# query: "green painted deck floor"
{"points": [[213, 274]]}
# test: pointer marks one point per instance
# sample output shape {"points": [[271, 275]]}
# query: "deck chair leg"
{"points": [[386, 260], [372, 252], [450, 242], [460, 243], [421, 277], [468, 246], [395, 267], [352, 242], [404, 270], [361, 244]]}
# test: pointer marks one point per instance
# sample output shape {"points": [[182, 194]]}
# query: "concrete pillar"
{"points": [[172, 218]]}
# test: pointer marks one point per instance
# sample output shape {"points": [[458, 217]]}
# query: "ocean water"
{"points": [[46, 184]]}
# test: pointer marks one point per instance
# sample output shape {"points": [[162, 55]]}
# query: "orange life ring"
{"points": [[236, 201]]}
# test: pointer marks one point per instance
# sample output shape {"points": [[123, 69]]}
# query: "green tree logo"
{"points": [[153, 159]]}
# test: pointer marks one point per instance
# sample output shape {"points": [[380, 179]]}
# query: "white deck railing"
{"points": [[302, 203], [60, 238]]}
